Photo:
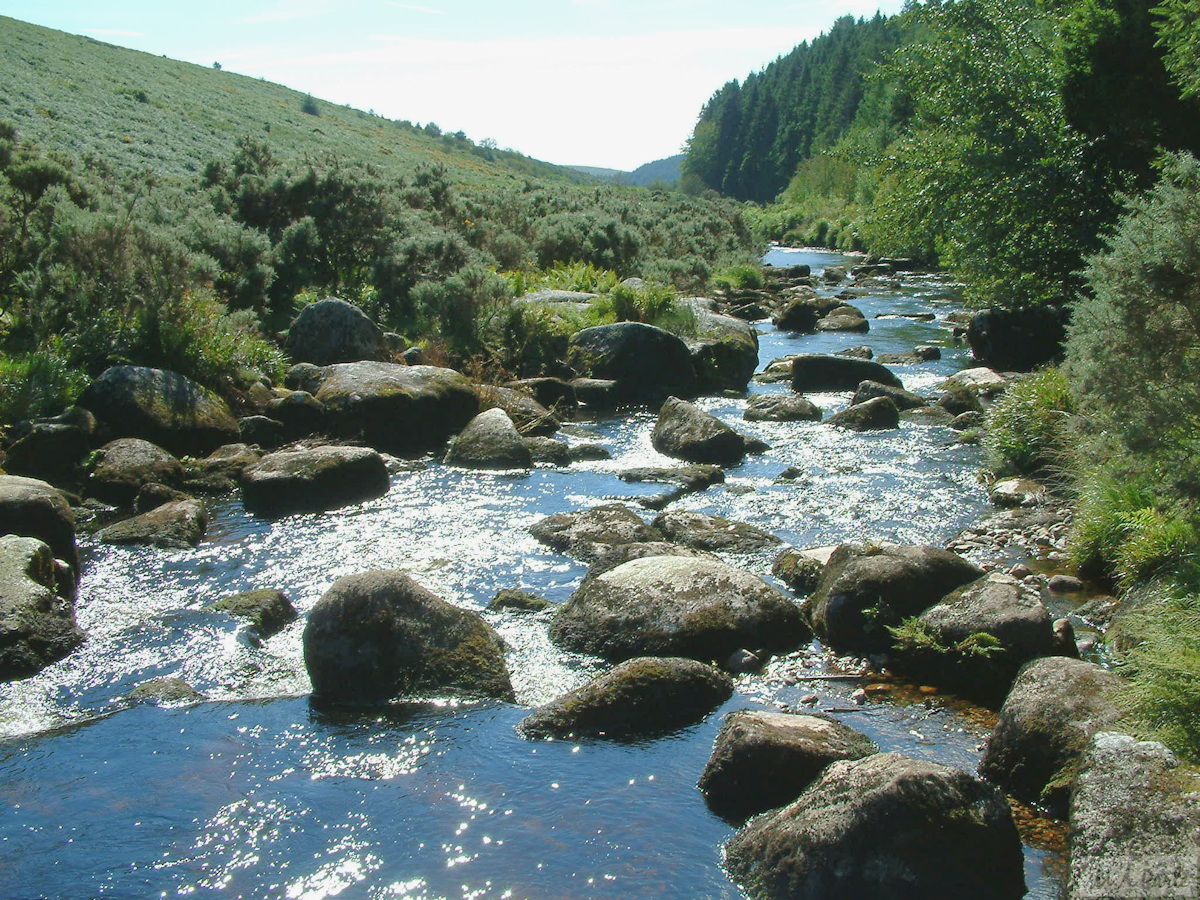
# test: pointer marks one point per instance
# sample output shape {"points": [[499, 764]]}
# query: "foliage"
{"points": [[1133, 349], [1179, 32], [739, 277], [1029, 427], [915, 637], [583, 277], [37, 384], [1163, 669]]}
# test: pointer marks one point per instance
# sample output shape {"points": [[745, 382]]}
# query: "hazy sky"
{"points": [[613, 83]]}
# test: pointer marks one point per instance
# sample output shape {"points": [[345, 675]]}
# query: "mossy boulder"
{"points": [[396, 408], [334, 331], [686, 432], [172, 526], [162, 407], [1048, 718], [591, 533], [676, 606], [797, 570], [490, 441], [638, 698], [511, 599], [37, 623], [647, 363], [381, 635], [122, 467], [864, 590], [32, 508], [313, 479], [883, 826], [268, 611], [763, 760]]}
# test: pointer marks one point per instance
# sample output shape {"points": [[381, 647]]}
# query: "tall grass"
{"points": [[1029, 430]]}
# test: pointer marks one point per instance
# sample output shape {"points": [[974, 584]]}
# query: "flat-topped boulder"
{"points": [[171, 526], [334, 331], [763, 760], [32, 508], [883, 826], [681, 481], [869, 390], [638, 698], [37, 624], [588, 534], [676, 606], [713, 533], [396, 408], [781, 408], [815, 372], [647, 363], [490, 441], [1046, 723], [313, 479], [685, 431], [124, 466], [876, 414], [864, 590], [380, 635], [163, 407]]}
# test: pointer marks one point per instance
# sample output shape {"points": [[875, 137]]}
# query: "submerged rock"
{"points": [[314, 479], [865, 590], [37, 624], [1055, 706], [165, 691], [683, 480], [713, 533], [640, 697], [380, 635], [676, 606], [762, 760], [883, 826], [268, 611], [518, 601], [781, 408], [589, 534]]}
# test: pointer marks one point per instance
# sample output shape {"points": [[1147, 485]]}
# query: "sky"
{"points": [[610, 83]]}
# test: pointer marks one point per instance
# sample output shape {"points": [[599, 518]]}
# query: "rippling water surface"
{"points": [[261, 793]]}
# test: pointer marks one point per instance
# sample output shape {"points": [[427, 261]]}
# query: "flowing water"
{"points": [[259, 792]]}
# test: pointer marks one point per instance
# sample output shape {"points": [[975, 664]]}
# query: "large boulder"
{"points": [[396, 408], [676, 606], [490, 441], [124, 466], [1055, 706], [334, 331], [32, 508], [845, 318], [379, 635], [1018, 340], [713, 533], [590, 534], [864, 590], [883, 826], [647, 363], [37, 625], [869, 390], [54, 449], [301, 414], [313, 479], [977, 638], [171, 526], [1135, 822], [876, 414], [638, 698], [782, 408], [724, 351], [162, 407], [763, 760], [267, 610], [815, 372], [685, 431]]}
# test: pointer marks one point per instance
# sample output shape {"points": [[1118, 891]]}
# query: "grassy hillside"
{"points": [[138, 111]]}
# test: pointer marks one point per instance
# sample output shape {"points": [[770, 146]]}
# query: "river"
{"points": [[258, 792]]}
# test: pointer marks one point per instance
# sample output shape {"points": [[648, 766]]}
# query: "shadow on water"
{"points": [[263, 792]]}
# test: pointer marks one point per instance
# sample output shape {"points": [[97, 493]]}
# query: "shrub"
{"points": [[37, 384], [739, 277], [309, 107], [1029, 428]]}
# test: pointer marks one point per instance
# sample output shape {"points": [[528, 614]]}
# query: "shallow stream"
{"points": [[259, 792]]}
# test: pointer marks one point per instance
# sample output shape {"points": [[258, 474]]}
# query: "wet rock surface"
{"points": [[37, 624], [313, 479]]}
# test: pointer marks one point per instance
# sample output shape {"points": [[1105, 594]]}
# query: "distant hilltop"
{"points": [[661, 171]]}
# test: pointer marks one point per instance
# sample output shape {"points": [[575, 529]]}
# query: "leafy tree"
{"points": [[1179, 31]]}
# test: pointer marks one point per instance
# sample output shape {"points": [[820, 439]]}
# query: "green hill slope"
{"points": [[138, 111]]}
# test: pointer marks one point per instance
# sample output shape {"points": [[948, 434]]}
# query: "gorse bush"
{"points": [[1029, 429]]}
